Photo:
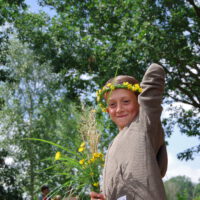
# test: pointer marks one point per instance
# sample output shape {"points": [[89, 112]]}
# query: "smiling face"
{"points": [[122, 107], [46, 191]]}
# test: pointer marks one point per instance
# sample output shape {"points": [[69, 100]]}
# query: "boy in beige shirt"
{"points": [[136, 160]]}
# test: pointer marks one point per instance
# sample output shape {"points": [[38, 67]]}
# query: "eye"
{"points": [[112, 105], [126, 101]]}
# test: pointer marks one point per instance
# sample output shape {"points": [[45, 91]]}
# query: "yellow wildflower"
{"points": [[81, 149], [100, 155], [98, 98], [82, 144], [89, 161], [58, 155], [92, 159], [108, 85], [112, 87], [129, 86], [104, 109], [96, 184], [125, 83], [101, 105], [132, 88], [91, 173], [137, 86], [82, 161], [104, 88], [95, 155], [99, 91]]}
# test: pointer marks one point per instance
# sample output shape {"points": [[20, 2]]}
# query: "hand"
{"points": [[95, 196]]}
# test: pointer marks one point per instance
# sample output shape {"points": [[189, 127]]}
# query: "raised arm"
{"points": [[153, 87], [150, 107]]}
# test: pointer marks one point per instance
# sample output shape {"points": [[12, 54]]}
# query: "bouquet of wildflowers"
{"points": [[86, 166], [81, 168]]}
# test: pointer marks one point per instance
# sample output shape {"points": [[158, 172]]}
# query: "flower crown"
{"points": [[110, 87]]}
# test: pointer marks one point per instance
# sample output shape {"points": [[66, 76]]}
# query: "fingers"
{"points": [[95, 196]]}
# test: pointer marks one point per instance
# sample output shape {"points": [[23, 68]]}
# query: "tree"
{"points": [[179, 187], [9, 10], [196, 191], [105, 38], [35, 107], [10, 188]]}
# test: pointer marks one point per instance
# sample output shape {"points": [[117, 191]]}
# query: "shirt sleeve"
{"points": [[153, 87], [150, 106]]}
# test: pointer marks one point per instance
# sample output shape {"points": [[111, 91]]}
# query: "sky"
{"points": [[191, 168], [177, 142]]}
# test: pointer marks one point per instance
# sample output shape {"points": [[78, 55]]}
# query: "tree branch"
{"points": [[196, 8], [190, 95], [180, 100]]}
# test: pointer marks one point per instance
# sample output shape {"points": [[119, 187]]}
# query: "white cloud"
{"points": [[181, 168]]}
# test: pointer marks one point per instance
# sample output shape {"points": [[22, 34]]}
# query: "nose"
{"points": [[119, 107]]}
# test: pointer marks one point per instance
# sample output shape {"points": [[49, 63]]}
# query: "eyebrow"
{"points": [[123, 97]]}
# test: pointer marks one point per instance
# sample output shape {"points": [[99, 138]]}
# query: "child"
{"points": [[136, 160], [44, 194]]}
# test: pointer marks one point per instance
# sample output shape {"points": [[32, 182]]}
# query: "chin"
{"points": [[121, 126]]}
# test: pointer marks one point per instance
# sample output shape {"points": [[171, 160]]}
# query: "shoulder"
{"points": [[39, 197]]}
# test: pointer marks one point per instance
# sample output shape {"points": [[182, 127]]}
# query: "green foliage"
{"points": [[98, 39], [197, 198], [196, 192], [181, 188], [35, 106], [10, 11], [102, 38], [10, 187], [188, 122], [80, 166], [182, 196]]}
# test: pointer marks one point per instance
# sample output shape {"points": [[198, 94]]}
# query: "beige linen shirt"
{"points": [[136, 160]]}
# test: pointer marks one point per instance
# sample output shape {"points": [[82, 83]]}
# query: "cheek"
{"points": [[110, 111], [134, 109]]}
